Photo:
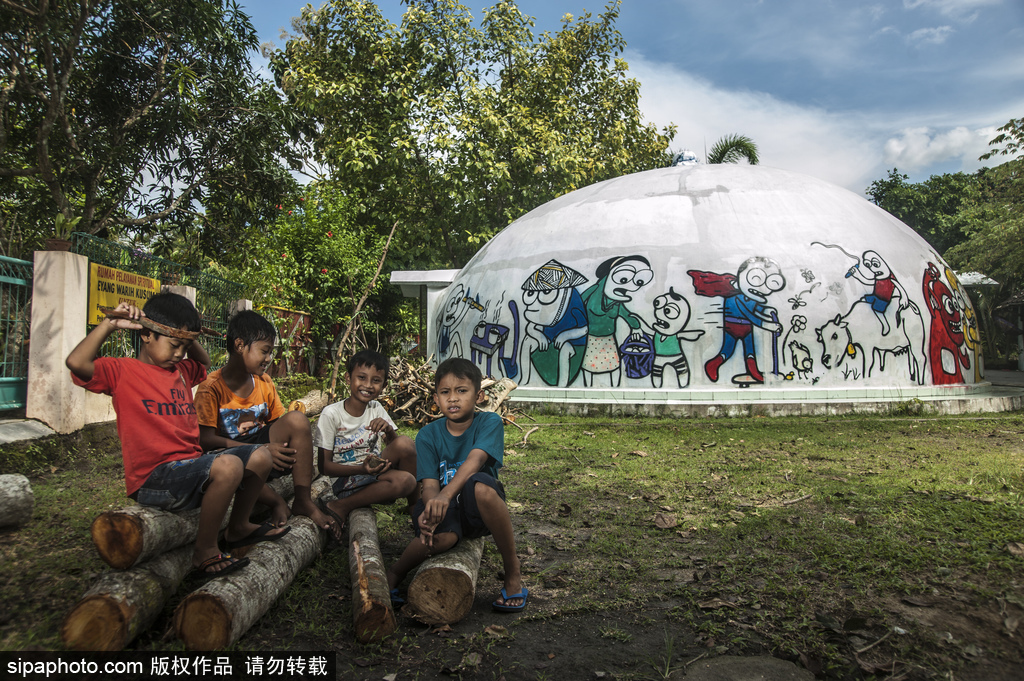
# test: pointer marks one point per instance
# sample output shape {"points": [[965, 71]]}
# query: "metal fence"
{"points": [[213, 294], [15, 317]]}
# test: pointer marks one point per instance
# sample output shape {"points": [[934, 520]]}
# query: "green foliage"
{"points": [[313, 258], [136, 116], [454, 130], [933, 208], [733, 148]]}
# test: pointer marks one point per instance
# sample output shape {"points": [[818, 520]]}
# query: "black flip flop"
{"points": [[234, 564], [262, 533]]}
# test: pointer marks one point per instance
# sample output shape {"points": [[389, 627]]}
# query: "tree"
{"points": [[453, 130], [995, 218], [137, 115], [933, 208], [315, 259], [733, 148]]}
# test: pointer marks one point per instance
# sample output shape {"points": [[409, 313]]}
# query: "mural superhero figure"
{"points": [[618, 278], [744, 307], [946, 347], [555, 333]]}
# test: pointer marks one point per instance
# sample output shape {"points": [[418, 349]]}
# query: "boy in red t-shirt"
{"points": [[238, 404], [156, 421]]}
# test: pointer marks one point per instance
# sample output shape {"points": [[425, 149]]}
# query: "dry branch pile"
{"points": [[409, 397]]}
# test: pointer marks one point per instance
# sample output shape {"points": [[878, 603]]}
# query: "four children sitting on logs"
{"points": [[242, 421]]}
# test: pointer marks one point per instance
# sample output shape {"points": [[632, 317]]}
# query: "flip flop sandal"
{"points": [[262, 533], [396, 599], [501, 607], [234, 564], [334, 516]]}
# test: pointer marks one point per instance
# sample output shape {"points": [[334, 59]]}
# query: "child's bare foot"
{"points": [[322, 520], [280, 513]]}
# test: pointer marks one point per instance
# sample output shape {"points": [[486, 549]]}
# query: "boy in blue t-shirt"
{"points": [[457, 462]]}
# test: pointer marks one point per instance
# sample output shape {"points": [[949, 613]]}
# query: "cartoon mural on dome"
{"points": [[639, 282]]}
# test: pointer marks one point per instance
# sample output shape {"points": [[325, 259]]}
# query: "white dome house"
{"points": [[710, 285]]}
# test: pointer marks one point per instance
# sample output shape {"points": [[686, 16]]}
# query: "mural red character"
{"points": [[946, 347]]}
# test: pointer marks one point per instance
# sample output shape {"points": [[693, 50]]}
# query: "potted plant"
{"points": [[62, 228]]}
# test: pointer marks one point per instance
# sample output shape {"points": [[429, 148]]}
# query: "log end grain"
{"points": [[96, 623], [375, 623], [118, 538], [441, 596], [202, 622]]}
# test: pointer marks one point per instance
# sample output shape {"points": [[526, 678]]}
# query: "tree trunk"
{"points": [[16, 500], [220, 612], [443, 588], [135, 534], [372, 615], [311, 403], [121, 605]]}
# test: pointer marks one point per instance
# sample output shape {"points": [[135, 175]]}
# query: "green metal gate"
{"points": [[15, 318]]}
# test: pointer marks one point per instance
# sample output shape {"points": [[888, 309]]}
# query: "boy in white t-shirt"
{"points": [[358, 445]]}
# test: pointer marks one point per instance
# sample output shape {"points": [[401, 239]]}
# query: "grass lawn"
{"points": [[857, 547]]}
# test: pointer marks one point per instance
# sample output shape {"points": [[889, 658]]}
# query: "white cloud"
{"points": [[963, 9], [930, 36], [916, 148], [835, 147]]}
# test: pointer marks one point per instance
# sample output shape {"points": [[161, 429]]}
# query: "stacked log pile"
{"points": [[409, 396], [124, 603]]}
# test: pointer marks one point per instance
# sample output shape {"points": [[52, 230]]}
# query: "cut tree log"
{"points": [[123, 604], [311, 403], [372, 615], [442, 590], [135, 534], [220, 612], [16, 500]]}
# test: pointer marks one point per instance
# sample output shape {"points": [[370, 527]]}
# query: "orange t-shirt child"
{"points": [[242, 419]]}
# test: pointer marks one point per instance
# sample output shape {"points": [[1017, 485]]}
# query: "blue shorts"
{"points": [[463, 516], [179, 485]]}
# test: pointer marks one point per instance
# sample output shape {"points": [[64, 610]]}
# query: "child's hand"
{"points": [[380, 425], [374, 465], [435, 509], [282, 455], [427, 530], [133, 313]]}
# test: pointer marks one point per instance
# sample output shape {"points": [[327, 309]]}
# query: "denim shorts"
{"points": [[179, 485], [347, 485], [463, 516]]}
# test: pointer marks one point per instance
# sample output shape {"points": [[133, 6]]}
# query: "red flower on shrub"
{"points": [[323, 271], [329, 235]]}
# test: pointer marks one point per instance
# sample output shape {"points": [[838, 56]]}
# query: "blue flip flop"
{"points": [[501, 607], [396, 599]]}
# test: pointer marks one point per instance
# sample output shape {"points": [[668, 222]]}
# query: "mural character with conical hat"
{"points": [[555, 333]]}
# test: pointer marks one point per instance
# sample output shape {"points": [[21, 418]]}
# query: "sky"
{"points": [[843, 90]]}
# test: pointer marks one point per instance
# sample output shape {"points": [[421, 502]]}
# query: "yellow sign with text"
{"points": [[109, 287]]}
